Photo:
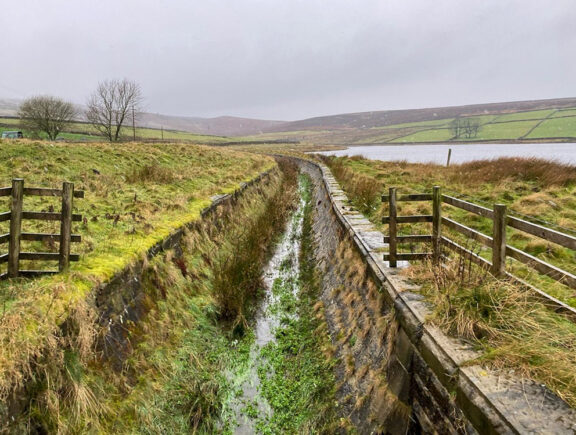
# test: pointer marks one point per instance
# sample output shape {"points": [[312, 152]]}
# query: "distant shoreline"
{"points": [[480, 142]]}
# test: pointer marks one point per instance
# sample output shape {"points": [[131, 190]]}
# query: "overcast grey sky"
{"points": [[291, 59]]}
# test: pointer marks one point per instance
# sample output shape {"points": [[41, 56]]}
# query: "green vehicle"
{"points": [[12, 135]]}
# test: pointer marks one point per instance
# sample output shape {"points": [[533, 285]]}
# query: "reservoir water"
{"points": [[562, 152]]}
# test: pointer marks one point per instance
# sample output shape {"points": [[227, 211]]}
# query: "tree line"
{"points": [[108, 109]]}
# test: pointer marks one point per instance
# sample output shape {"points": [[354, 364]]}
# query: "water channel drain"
{"points": [[248, 408]]}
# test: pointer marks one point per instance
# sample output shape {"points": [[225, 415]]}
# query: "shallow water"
{"points": [[563, 152], [283, 265]]}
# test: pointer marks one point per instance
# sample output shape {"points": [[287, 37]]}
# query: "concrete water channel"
{"points": [[249, 408]]}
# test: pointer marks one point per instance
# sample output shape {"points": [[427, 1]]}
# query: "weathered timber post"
{"points": [[392, 229], [15, 227], [66, 225], [436, 223], [499, 241], [449, 155]]}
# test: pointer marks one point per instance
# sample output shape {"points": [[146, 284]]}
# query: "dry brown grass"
{"points": [[542, 171], [513, 330], [364, 190], [151, 173]]}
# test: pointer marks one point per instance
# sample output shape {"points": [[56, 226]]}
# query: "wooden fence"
{"points": [[497, 242], [15, 235]]}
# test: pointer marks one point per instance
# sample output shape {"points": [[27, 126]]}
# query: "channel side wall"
{"points": [[429, 372], [121, 301]]}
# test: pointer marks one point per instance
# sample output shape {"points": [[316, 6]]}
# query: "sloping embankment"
{"points": [[399, 373], [110, 345]]}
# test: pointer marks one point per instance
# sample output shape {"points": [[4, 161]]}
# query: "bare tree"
{"points": [[471, 127], [46, 114], [456, 128], [110, 104], [467, 127]]}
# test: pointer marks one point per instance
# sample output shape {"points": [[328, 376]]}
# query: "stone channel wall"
{"points": [[398, 373], [122, 301]]}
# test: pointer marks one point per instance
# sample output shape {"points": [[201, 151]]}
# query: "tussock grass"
{"points": [[151, 173], [173, 377], [123, 221], [537, 190], [238, 279], [514, 331], [364, 189], [529, 170]]}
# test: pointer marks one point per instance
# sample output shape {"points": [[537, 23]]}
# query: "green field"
{"points": [[511, 126], [555, 127], [505, 130], [520, 116], [434, 135], [488, 131], [564, 112], [389, 137], [434, 123], [78, 131], [494, 127]]}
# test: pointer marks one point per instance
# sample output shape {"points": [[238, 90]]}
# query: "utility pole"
{"points": [[133, 124]]}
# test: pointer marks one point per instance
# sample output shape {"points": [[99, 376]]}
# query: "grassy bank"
{"points": [[510, 328], [80, 131], [514, 332], [173, 378], [190, 340], [135, 196], [535, 190]]}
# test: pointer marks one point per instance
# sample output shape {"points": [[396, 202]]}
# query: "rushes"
{"points": [[239, 270]]}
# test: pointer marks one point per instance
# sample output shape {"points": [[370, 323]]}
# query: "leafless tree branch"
{"points": [[109, 105]]}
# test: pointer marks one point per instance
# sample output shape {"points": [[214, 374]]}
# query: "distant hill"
{"points": [[9, 106], [390, 117], [220, 126], [387, 126]]}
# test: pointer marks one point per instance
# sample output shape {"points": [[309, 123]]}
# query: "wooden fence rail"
{"points": [[497, 241], [15, 235]]}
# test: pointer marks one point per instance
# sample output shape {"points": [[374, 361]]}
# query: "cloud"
{"points": [[289, 59]]}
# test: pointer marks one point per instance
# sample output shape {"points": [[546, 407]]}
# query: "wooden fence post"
{"points": [[15, 227], [66, 225], [499, 241], [436, 223], [392, 229]]}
